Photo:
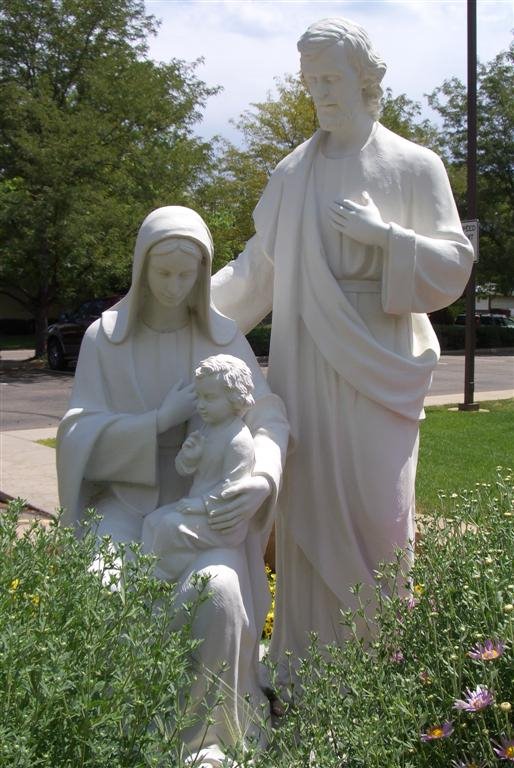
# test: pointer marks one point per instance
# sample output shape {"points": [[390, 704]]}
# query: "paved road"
{"points": [[31, 399], [38, 398], [492, 373]]}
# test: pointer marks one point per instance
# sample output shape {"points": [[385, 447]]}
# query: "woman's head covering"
{"points": [[161, 224]]}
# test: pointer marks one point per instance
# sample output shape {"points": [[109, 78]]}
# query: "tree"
{"points": [[402, 115], [93, 134], [271, 130], [495, 118]]}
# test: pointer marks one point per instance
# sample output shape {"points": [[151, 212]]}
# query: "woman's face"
{"points": [[172, 271]]}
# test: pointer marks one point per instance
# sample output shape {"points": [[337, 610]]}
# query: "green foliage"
{"points": [[495, 119], [270, 131], [90, 675], [277, 126], [402, 115], [259, 339], [93, 136], [368, 704]]}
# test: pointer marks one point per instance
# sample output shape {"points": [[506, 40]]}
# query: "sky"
{"points": [[246, 43]]}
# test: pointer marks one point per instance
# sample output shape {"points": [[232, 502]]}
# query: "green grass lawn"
{"points": [[48, 441], [459, 449]]}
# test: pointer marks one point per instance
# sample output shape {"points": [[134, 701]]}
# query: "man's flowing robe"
{"points": [[352, 356]]}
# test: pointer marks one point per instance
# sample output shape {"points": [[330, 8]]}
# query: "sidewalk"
{"points": [[27, 469]]}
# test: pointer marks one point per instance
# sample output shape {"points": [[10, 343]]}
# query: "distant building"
{"points": [[487, 300]]}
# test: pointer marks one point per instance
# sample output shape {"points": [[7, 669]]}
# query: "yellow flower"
{"points": [[15, 583], [418, 589], [34, 599]]}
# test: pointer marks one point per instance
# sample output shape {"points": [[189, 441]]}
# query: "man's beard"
{"points": [[340, 122]]}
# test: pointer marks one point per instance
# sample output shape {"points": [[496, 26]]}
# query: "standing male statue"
{"points": [[357, 237]]}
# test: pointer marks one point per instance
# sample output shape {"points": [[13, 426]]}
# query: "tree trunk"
{"points": [[41, 328]]}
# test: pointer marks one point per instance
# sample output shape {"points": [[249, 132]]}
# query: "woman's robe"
{"points": [[111, 456]]}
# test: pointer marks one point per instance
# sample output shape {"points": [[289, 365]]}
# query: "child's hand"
{"points": [[178, 406], [192, 447]]}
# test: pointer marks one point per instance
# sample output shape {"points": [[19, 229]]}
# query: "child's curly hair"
{"points": [[236, 378]]}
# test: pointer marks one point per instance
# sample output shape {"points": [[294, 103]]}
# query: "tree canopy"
{"points": [[270, 130], [93, 134], [495, 153]]}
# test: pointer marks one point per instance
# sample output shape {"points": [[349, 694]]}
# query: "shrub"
{"points": [[392, 702], [93, 677], [487, 336], [90, 676]]}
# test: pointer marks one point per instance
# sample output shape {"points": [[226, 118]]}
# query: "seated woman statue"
{"points": [[132, 405]]}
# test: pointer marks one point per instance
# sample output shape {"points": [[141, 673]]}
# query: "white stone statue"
{"points": [[132, 403], [357, 238], [219, 453]]}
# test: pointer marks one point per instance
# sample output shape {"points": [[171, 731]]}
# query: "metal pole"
{"points": [[469, 364]]}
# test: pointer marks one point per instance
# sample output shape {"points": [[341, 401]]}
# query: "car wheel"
{"points": [[55, 355]]}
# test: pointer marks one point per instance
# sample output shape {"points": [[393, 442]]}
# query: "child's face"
{"points": [[213, 403]]}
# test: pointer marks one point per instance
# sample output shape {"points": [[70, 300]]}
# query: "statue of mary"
{"points": [[132, 404]]}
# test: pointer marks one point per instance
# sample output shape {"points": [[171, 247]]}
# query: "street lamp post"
{"points": [[469, 366]]}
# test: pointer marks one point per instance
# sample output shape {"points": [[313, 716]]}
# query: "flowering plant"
{"points": [[431, 686], [90, 676]]}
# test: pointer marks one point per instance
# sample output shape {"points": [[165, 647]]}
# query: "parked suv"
{"points": [[65, 336]]}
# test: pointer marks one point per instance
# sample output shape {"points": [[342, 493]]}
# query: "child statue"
{"points": [[219, 453]]}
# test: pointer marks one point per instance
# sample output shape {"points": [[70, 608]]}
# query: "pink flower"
{"points": [[490, 650], [475, 700], [437, 732], [412, 602], [397, 657], [505, 750]]}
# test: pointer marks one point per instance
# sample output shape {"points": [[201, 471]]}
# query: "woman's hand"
{"points": [[360, 222], [178, 406], [238, 502], [190, 506]]}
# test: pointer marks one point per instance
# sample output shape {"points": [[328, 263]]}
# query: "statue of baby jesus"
{"points": [[219, 453]]}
